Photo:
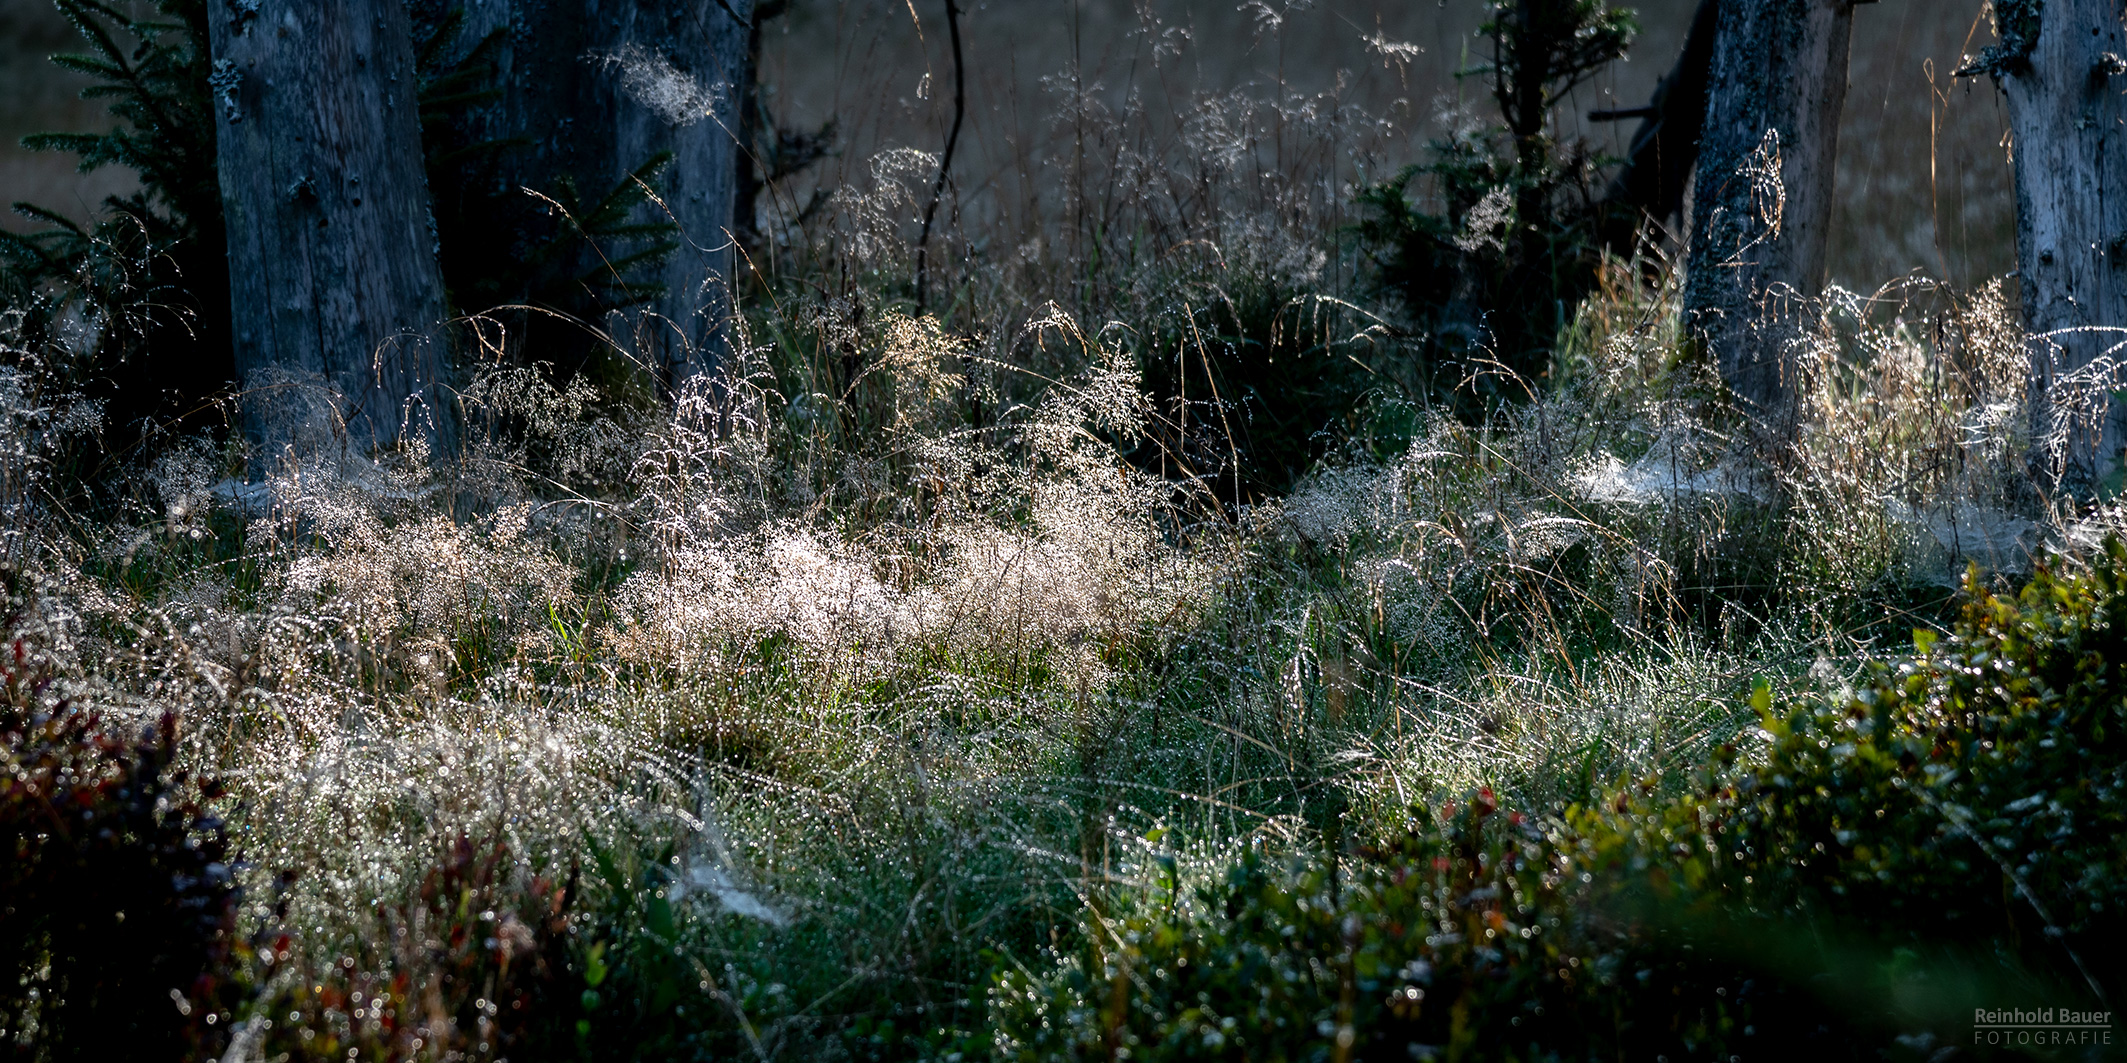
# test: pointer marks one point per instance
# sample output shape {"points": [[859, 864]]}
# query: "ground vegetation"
{"points": [[1135, 645]]}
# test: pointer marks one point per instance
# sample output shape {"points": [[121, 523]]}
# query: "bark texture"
{"points": [[332, 257], [597, 88], [1762, 205], [2062, 76]]}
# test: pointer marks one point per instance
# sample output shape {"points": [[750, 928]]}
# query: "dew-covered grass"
{"points": [[894, 658]]}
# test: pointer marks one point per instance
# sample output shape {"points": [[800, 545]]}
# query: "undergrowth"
{"points": [[1852, 878], [732, 734], [1144, 643]]}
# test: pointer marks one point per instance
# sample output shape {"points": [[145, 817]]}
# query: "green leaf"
{"points": [[658, 918], [603, 860]]}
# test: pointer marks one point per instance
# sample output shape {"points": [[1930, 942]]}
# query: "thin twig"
{"points": [[945, 162]]}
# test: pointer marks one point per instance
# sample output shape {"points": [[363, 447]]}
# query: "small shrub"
{"points": [[480, 964], [1963, 806], [117, 904], [1944, 838], [1462, 939]]}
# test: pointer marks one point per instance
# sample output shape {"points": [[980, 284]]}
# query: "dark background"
{"points": [[1924, 180]]}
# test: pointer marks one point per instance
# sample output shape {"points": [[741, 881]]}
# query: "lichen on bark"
{"points": [[2016, 24]]}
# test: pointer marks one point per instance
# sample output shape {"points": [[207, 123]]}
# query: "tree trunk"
{"points": [[753, 155], [599, 87], [1762, 205], [332, 259], [1657, 167], [2061, 73]]}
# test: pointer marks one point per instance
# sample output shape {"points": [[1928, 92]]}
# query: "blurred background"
{"points": [[1924, 175]]}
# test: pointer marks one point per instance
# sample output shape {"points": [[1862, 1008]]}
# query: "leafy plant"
{"points": [[1944, 838], [1963, 805], [1462, 939], [120, 900], [479, 964]]}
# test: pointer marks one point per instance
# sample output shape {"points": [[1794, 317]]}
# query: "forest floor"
{"points": [[1143, 636], [835, 721]]}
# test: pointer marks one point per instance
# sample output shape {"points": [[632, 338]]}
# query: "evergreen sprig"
{"points": [[1492, 273], [158, 93], [147, 273]]}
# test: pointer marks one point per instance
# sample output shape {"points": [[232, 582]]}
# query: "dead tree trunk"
{"points": [[332, 259], [756, 133], [1762, 207], [2061, 72], [1657, 168], [599, 87], [709, 46]]}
